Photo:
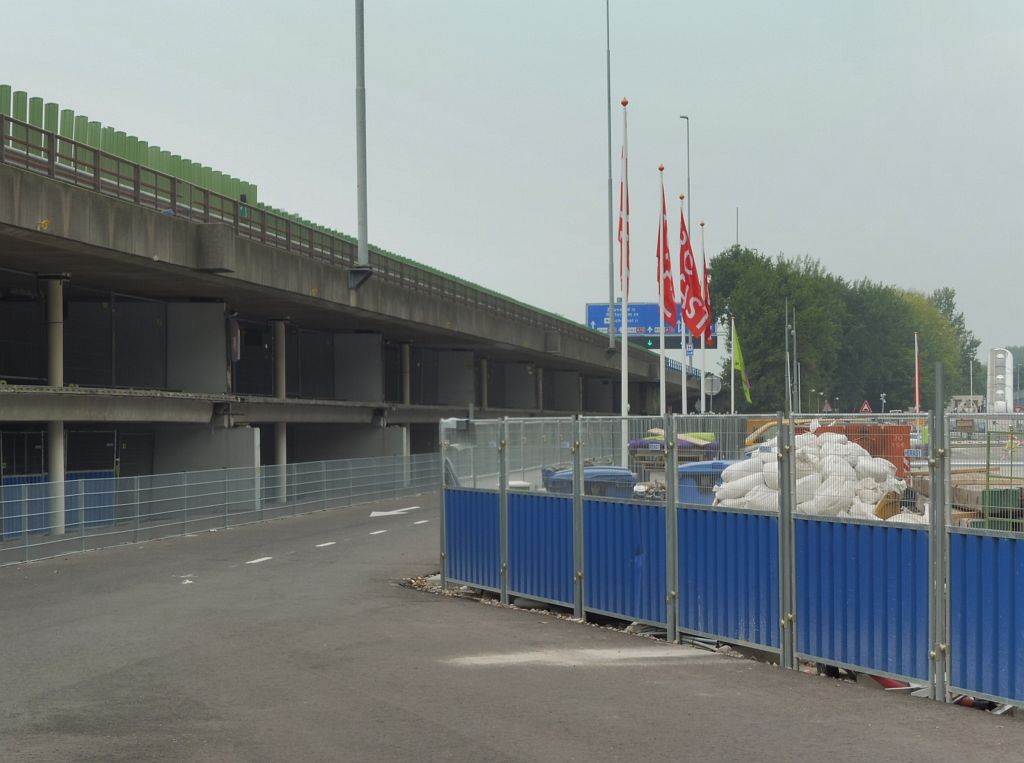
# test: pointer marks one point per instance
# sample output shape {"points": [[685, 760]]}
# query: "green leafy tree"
{"points": [[855, 341]]}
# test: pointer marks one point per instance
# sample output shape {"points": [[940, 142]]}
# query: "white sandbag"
{"points": [[877, 469], [893, 484], [766, 500], [838, 486], [814, 426], [835, 466], [833, 495], [862, 510], [805, 487], [740, 469], [832, 438], [870, 495], [908, 518], [808, 456], [853, 452], [737, 488], [805, 468], [806, 440], [771, 475], [733, 503], [822, 506]]}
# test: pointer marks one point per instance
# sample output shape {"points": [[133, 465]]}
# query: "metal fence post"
{"points": [[184, 510], [444, 535], [292, 470], [323, 485], [257, 492], [577, 516], [503, 505], [671, 533], [24, 516], [81, 506], [939, 545], [226, 502], [786, 550], [135, 495]]}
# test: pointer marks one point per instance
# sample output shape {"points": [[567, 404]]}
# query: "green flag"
{"points": [[737, 355]]}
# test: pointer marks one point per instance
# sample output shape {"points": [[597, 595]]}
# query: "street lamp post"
{"points": [[689, 217], [881, 397]]}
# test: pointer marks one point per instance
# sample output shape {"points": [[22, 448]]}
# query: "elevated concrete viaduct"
{"points": [[118, 316]]}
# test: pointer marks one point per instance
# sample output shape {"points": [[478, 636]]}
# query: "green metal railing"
{"points": [[51, 153]]}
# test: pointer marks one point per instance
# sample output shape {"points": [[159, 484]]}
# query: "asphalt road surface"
{"points": [[293, 641]]}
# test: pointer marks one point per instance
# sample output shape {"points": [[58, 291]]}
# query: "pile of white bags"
{"points": [[834, 478]]}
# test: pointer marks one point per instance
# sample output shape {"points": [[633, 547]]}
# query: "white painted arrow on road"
{"points": [[394, 513]]}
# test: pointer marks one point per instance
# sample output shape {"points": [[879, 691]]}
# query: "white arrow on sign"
{"points": [[394, 513]]}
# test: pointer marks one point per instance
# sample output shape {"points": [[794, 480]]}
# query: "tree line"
{"points": [[855, 340]]}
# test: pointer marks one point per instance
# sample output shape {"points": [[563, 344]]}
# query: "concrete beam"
{"points": [[85, 405], [116, 244]]}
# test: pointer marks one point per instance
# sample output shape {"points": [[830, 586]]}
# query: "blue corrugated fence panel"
{"points": [[624, 550], [540, 546], [862, 594], [729, 575], [473, 536], [986, 614], [96, 489]]}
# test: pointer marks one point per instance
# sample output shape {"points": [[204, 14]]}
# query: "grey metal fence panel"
{"points": [[106, 511]]}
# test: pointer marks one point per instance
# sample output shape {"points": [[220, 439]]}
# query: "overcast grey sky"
{"points": [[883, 138]]}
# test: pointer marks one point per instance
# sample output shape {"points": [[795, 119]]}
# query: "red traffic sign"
{"points": [[865, 407]]}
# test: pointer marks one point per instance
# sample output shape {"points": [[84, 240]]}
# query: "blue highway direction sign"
{"points": [[643, 320]]}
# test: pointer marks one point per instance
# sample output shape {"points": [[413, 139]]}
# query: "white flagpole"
{"points": [[917, 376], [661, 291], [703, 337], [611, 235], [732, 373], [624, 395], [685, 360]]}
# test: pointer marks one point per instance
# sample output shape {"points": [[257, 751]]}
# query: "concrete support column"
{"points": [[55, 331], [406, 374], [539, 374], [483, 384], [281, 393], [280, 358], [55, 464], [55, 457], [280, 390]]}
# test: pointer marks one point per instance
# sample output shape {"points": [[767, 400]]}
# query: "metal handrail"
{"points": [[47, 153]]}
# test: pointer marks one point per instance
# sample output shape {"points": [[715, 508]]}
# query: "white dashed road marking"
{"points": [[261, 559], [378, 532], [325, 545], [421, 522]]}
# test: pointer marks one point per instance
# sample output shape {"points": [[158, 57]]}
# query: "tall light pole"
{"points": [[881, 397], [689, 217], [611, 234], [358, 274]]}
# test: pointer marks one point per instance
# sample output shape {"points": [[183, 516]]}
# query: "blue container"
{"points": [[697, 481], [607, 481]]}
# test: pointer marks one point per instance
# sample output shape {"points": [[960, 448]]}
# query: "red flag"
{"points": [[707, 289], [624, 260], [695, 312], [667, 282]]}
